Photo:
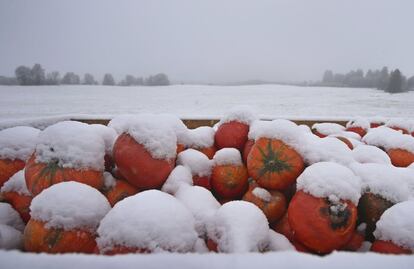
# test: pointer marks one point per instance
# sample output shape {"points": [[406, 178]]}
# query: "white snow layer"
{"points": [[201, 137], [156, 222], [109, 180], [239, 227], [72, 144], [407, 124], [227, 156], [397, 225], [16, 183], [157, 133], [70, 205], [196, 161], [262, 194], [109, 136], [278, 242], [244, 114], [328, 128], [330, 180], [10, 217], [179, 176], [359, 122], [388, 138], [18, 142], [10, 238], [370, 154]]}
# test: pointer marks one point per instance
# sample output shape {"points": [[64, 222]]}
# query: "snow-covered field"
{"points": [[195, 101]]}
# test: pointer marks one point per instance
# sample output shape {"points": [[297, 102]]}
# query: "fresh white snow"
{"points": [[227, 156], [16, 183], [180, 175], [17, 142], [196, 161]]}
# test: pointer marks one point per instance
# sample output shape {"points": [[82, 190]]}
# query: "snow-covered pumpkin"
{"points": [[117, 189], [359, 126], [199, 164]]}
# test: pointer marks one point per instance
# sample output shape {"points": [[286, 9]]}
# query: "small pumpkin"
{"points": [[388, 247], [119, 191], [232, 134], [357, 129], [346, 141], [208, 151], [8, 168], [229, 181], [19, 202], [401, 157]]}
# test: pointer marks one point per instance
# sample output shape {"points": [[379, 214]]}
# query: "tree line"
{"points": [[390, 81], [37, 75]]}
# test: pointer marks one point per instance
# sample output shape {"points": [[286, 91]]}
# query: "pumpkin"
{"points": [[229, 181], [403, 130], [138, 166], [246, 150], [40, 176], [180, 148], [8, 168], [387, 247], [370, 209], [356, 129], [317, 225], [355, 242], [211, 245], [283, 227], [208, 151], [273, 164], [38, 238], [19, 202], [121, 190], [232, 134], [203, 181], [272, 203], [346, 141], [401, 157]]}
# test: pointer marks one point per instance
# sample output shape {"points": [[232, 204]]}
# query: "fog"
{"points": [[214, 41]]}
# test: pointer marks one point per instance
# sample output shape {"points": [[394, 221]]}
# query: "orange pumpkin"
{"points": [[121, 190], [138, 166], [387, 247], [38, 238], [273, 164], [356, 129], [19, 202], [180, 148], [283, 227], [355, 242], [211, 245], [315, 132], [203, 181], [401, 157], [8, 168], [376, 124], [274, 208], [208, 151], [229, 181], [246, 150], [40, 176], [231, 134], [403, 130], [346, 141], [317, 226]]}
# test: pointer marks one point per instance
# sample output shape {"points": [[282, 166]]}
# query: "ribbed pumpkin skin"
{"points": [[401, 157], [138, 166], [8, 168], [38, 238], [231, 134], [40, 176], [19, 202], [121, 190], [387, 247], [273, 164], [316, 227], [229, 181]]}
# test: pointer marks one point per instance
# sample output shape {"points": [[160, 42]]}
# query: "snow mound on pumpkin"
{"points": [[330, 180], [156, 222], [243, 114], [10, 238], [10, 217], [196, 161], [388, 138], [397, 225], [262, 194], [16, 183], [202, 137], [18, 142], [157, 133], [387, 181], [108, 135], [370, 154], [406, 124], [239, 227], [278, 242], [179, 176], [359, 122], [72, 144], [227, 156], [70, 205], [328, 128]]}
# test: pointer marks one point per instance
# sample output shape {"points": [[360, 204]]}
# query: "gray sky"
{"points": [[208, 41]]}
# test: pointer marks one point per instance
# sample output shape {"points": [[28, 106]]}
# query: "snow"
{"points": [[242, 113], [201, 204], [349, 135], [407, 124], [180, 175], [157, 133], [385, 180], [10, 217], [278, 242], [370, 154], [262, 194], [328, 128], [70, 205], [10, 238], [397, 225], [108, 134], [109, 180], [202, 137], [18, 142], [16, 183], [330, 180], [388, 138], [196, 161], [227, 156], [239, 227], [156, 222], [73, 144], [359, 122]]}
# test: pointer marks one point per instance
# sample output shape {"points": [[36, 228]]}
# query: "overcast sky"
{"points": [[208, 41]]}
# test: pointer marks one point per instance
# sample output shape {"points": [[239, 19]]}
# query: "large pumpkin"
{"points": [[40, 176], [138, 166], [387, 247], [273, 164], [8, 168], [232, 134], [319, 224]]}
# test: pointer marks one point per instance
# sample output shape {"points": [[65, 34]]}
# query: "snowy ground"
{"points": [[194, 101]]}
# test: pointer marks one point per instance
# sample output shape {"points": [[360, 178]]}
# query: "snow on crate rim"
{"points": [[327, 128], [109, 136], [328, 179], [202, 137], [370, 154], [156, 221], [70, 205], [227, 156], [18, 142], [72, 144], [388, 138], [397, 225], [239, 227], [385, 180], [359, 122], [196, 161], [179, 176], [16, 183], [242, 114], [10, 217], [157, 133]]}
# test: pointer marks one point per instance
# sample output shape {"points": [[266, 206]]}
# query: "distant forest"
{"points": [[383, 79], [36, 75]]}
